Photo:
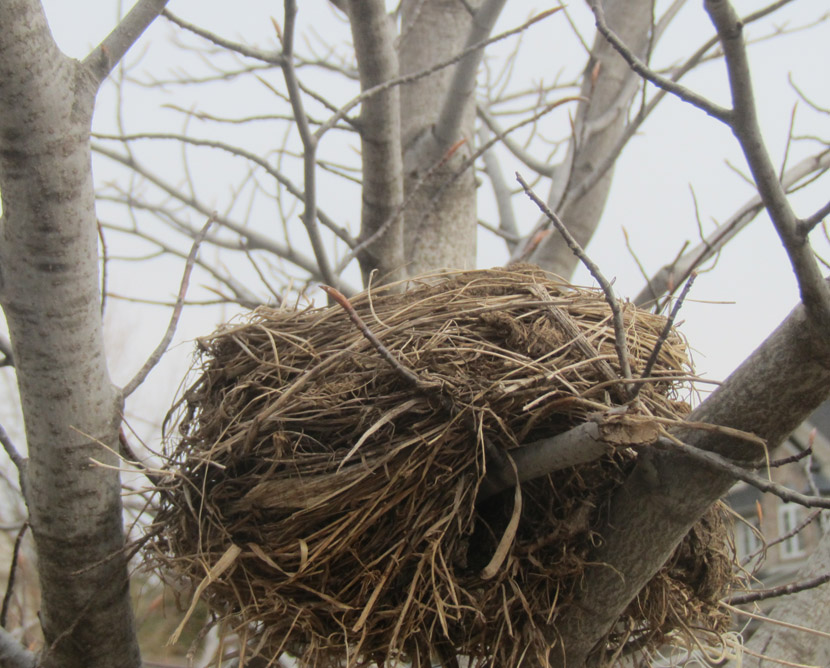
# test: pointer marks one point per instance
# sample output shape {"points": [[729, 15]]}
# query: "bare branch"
{"points": [[608, 291], [270, 57], [309, 141], [744, 123], [806, 225], [600, 169], [278, 176], [652, 358], [715, 460], [537, 166], [17, 459], [781, 590], [772, 392], [107, 54], [408, 376], [414, 76], [675, 273], [685, 94], [244, 296], [380, 134], [255, 240], [7, 597], [789, 460], [501, 192], [579, 445], [155, 357]]}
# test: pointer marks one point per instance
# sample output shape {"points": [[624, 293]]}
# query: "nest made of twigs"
{"points": [[329, 508]]}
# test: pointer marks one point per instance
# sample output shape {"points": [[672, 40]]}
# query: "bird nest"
{"points": [[331, 497]]}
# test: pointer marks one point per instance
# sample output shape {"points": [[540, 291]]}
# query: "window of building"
{"points": [[747, 541], [788, 520]]}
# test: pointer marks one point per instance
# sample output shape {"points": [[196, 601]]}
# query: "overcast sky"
{"points": [[732, 308]]}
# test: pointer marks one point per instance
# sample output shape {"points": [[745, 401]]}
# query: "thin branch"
{"points": [[744, 123], [254, 239], [663, 22], [237, 151], [537, 166], [7, 597], [789, 143], [635, 257], [508, 228], [655, 353], [675, 273], [17, 459], [510, 239], [797, 457], [723, 464], [309, 142], [13, 654], [608, 291], [132, 458], [243, 295], [797, 529], [104, 267], [414, 76], [155, 357], [409, 377], [100, 61], [685, 94], [781, 590], [610, 159], [270, 57], [806, 225]]}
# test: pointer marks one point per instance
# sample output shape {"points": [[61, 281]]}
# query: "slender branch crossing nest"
{"points": [[327, 507]]}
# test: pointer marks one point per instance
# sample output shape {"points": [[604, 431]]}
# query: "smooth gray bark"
{"points": [[380, 140], [609, 86], [49, 290], [440, 218]]}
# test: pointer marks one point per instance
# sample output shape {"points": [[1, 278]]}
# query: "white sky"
{"points": [[679, 148]]}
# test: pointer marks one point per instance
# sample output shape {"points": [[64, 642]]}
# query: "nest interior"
{"points": [[328, 509]]}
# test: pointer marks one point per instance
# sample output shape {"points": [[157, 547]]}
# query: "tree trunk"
{"points": [[380, 141], [770, 394], [440, 219], [609, 86], [50, 295]]}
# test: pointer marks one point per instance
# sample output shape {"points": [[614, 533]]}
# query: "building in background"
{"points": [[766, 519]]}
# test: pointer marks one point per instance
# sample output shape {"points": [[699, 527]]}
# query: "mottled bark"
{"points": [[440, 218], [380, 141], [49, 290]]}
